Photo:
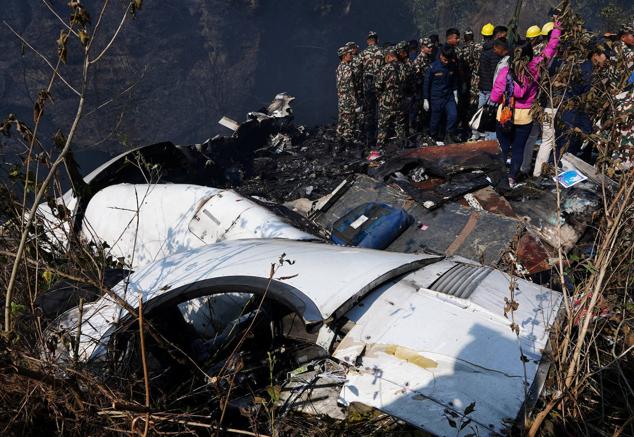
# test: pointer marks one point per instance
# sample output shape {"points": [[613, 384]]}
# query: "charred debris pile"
{"points": [[457, 196]]}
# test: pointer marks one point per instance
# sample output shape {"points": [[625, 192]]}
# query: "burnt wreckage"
{"points": [[376, 282]]}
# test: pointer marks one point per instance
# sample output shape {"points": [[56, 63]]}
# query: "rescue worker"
{"points": [[413, 50], [347, 97], [390, 94], [549, 113], [471, 55], [545, 36], [470, 60], [577, 118], [500, 32], [624, 49], [440, 93], [422, 63], [533, 39], [372, 60], [357, 72], [407, 77], [533, 36], [435, 40], [463, 77], [489, 60]]}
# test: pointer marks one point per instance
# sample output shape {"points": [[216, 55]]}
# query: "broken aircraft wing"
{"points": [[317, 281], [427, 347]]}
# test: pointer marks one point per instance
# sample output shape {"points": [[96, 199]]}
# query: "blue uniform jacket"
{"points": [[440, 81]]}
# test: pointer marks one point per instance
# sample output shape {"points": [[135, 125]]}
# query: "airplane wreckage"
{"points": [[369, 282]]}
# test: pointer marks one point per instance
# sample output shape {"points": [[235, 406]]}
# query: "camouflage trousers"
{"points": [[391, 119], [347, 124], [408, 115], [359, 128], [369, 108]]}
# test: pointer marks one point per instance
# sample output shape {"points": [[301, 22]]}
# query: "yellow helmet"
{"points": [[533, 32], [487, 29], [547, 28]]}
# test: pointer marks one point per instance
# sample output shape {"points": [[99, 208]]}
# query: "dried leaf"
{"points": [[136, 6], [38, 107], [61, 45], [80, 15], [84, 37]]}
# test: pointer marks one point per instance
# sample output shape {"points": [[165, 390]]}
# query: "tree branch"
{"points": [[25, 42]]}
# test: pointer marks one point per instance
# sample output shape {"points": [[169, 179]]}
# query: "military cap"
{"points": [[403, 45], [351, 45], [391, 50], [372, 34], [426, 42], [468, 32], [342, 51], [626, 28]]}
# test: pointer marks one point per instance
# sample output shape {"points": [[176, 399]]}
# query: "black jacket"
{"points": [[488, 61]]}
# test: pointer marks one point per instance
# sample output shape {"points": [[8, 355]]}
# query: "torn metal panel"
{"points": [[424, 356], [454, 230], [229, 123], [532, 254], [314, 389], [318, 281], [450, 229], [359, 190], [143, 223], [491, 201], [457, 158]]}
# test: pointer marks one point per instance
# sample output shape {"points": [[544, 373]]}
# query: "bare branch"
{"points": [[54, 69], [101, 13], [61, 20], [114, 36]]}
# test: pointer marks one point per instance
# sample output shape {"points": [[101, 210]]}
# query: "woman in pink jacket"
{"points": [[519, 87]]}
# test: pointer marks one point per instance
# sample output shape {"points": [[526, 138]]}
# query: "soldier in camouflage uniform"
{"points": [[347, 97], [390, 93], [421, 65], [623, 54], [463, 77], [372, 59], [625, 127], [407, 77], [357, 72], [470, 53]]}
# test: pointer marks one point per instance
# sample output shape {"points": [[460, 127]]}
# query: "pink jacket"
{"points": [[526, 92]]}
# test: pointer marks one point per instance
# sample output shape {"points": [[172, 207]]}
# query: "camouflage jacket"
{"points": [[620, 138], [346, 92], [470, 55], [372, 59], [620, 67], [421, 65], [389, 86], [625, 54], [357, 73], [407, 76]]}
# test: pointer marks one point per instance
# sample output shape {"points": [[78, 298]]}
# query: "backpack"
{"points": [[508, 105]]}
